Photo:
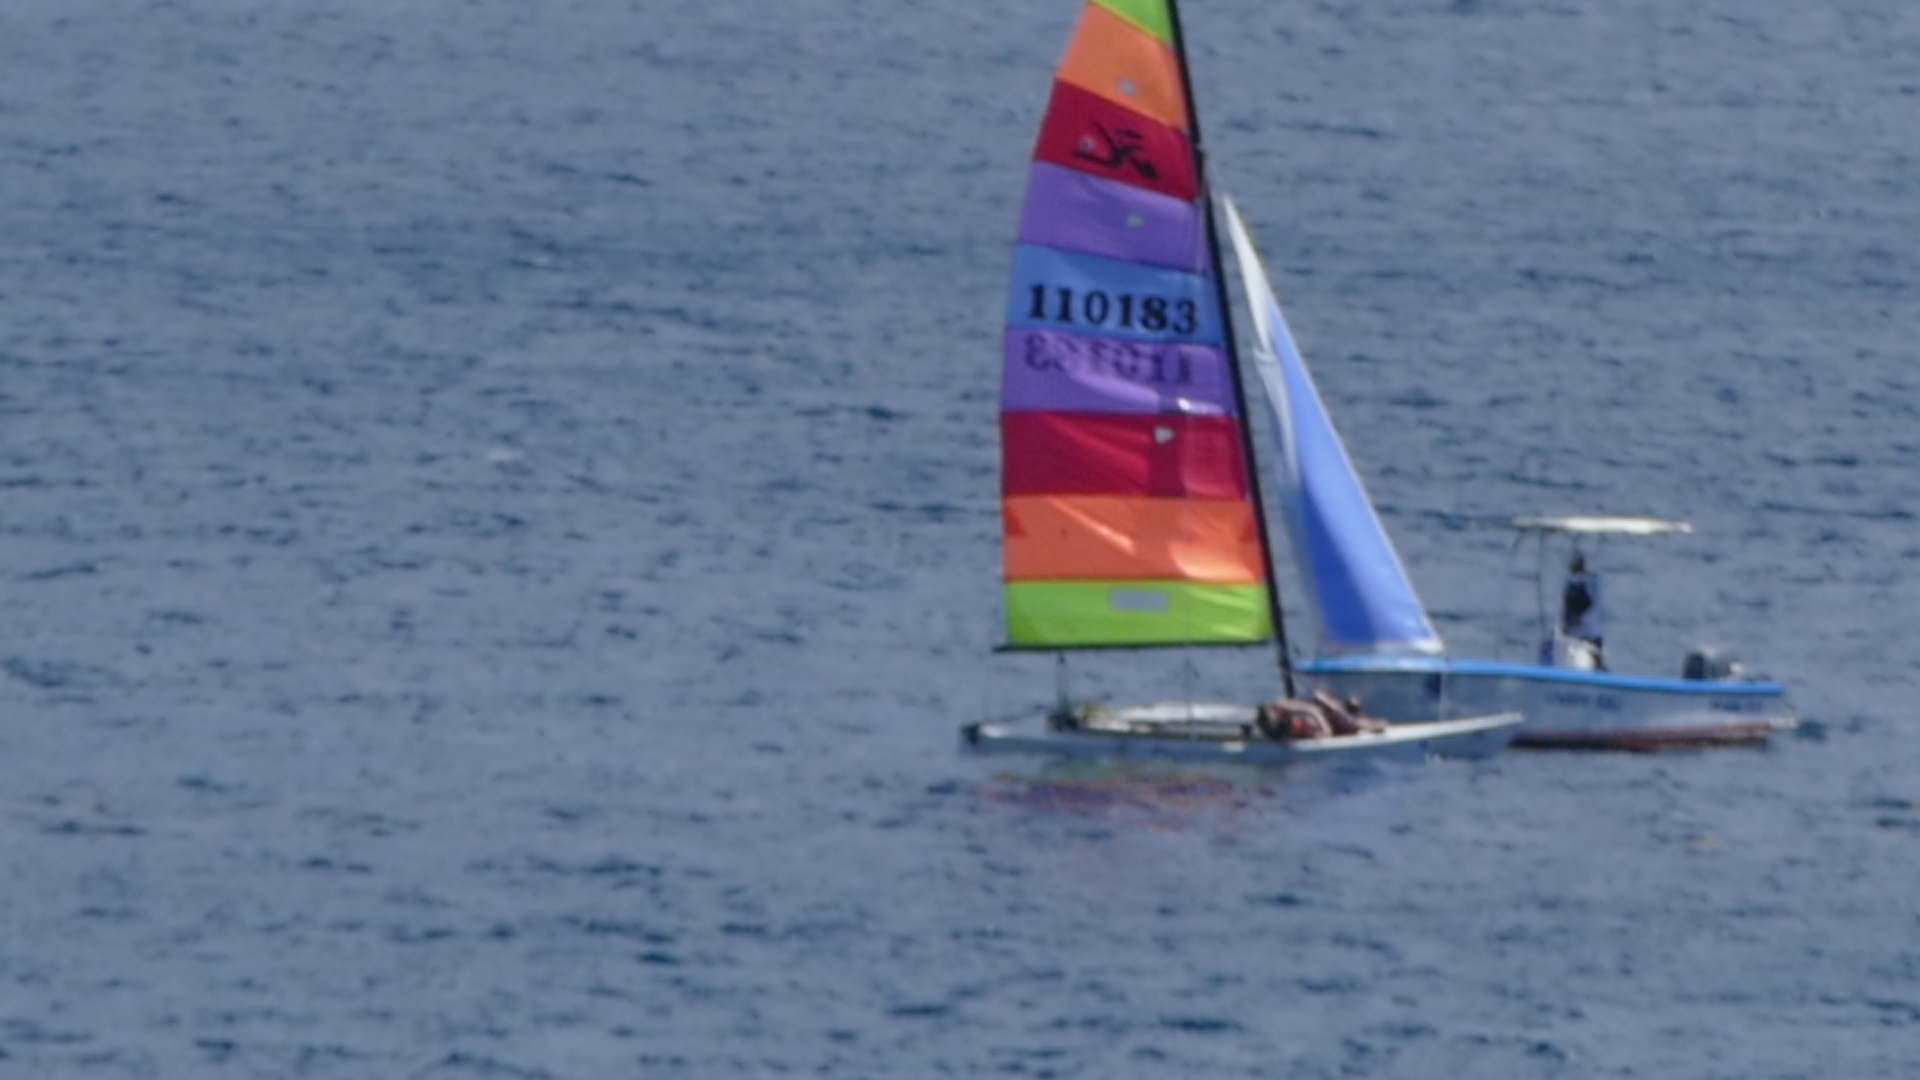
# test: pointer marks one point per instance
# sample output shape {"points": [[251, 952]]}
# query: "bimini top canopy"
{"points": [[1598, 525]]}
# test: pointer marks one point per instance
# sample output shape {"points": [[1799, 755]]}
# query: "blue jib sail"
{"points": [[1360, 594]]}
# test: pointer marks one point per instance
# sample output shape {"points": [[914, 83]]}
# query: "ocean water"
{"points": [[498, 522]]}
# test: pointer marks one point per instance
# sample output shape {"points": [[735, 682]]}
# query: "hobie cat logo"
{"points": [[1114, 149]]}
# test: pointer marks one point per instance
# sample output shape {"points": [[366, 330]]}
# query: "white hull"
{"points": [[1225, 733], [1564, 709]]}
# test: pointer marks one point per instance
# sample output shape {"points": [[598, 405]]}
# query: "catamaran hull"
{"points": [[1227, 736], [1565, 710]]}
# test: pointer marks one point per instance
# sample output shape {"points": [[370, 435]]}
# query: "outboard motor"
{"points": [[1710, 665]]}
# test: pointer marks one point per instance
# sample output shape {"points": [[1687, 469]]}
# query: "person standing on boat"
{"points": [[1581, 617]]}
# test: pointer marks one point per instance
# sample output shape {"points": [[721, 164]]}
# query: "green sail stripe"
{"points": [[1148, 15], [1069, 613]]}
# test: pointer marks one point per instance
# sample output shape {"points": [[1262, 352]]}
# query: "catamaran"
{"points": [[1131, 502]]}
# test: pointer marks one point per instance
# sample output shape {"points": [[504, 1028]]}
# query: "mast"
{"points": [[1232, 344]]}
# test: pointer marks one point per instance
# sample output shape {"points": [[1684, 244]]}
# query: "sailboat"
{"points": [[1131, 502]]}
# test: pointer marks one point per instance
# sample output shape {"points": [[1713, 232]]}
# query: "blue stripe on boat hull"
{"points": [[1600, 710]]}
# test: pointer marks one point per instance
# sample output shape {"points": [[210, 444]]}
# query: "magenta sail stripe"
{"points": [[1071, 210], [1054, 372]]}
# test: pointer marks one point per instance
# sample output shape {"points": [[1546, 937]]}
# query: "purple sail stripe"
{"points": [[1073, 211], [1055, 372]]}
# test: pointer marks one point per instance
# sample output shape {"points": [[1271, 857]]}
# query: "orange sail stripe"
{"points": [[1128, 538], [1115, 59]]}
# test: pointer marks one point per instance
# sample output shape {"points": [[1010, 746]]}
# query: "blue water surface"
{"points": [[500, 517]]}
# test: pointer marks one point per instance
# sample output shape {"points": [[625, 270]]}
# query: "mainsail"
{"points": [[1130, 511], [1360, 593]]}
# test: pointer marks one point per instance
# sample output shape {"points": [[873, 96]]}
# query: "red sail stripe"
{"points": [[1167, 456], [1086, 132]]}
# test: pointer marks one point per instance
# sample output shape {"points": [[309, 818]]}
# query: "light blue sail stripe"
{"points": [[1361, 595], [1085, 294]]}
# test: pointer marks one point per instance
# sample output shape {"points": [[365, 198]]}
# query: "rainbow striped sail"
{"points": [[1129, 506]]}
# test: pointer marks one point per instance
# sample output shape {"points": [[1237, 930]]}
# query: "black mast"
{"points": [[1233, 351]]}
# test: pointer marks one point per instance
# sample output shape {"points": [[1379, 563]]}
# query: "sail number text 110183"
{"points": [[1098, 308]]}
